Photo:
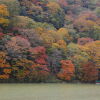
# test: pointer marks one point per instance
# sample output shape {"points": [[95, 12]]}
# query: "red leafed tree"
{"points": [[40, 70], [83, 41], [63, 3], [89, 72], [39, 55], [67, 70], [1, 35], [88, 15]]}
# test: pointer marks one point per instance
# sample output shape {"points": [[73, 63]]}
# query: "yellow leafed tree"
{"points": [[63, 33], [60, 44], [3, 15], [93, 50], [53, 7]]}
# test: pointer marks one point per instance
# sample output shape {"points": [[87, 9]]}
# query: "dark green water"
{"points": [[49, 92]]}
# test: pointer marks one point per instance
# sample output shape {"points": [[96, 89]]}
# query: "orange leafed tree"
{"points": [[67, 70], [5, 68]]}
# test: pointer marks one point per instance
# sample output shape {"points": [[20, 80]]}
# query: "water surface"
{"points": [[49, 92]]}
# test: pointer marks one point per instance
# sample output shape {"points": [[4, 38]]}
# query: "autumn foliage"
{"points": [[3, 14], [5, 68], [83, 41], [45, 40], [39, 72], [28, 70], [89, 72], [67, 70]]}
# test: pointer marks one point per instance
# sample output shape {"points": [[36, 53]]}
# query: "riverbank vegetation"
{"points": [[49, 40]]}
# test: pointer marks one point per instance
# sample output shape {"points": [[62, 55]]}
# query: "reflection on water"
{"points": [[49, 92]]}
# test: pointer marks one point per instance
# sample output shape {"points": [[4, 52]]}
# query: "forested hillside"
{"points": [[49, 40]]}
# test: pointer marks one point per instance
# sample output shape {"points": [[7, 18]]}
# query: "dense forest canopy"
{"points": [[49, 40]]}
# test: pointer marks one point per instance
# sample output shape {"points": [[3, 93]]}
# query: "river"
{"points": [[49, 91]]}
